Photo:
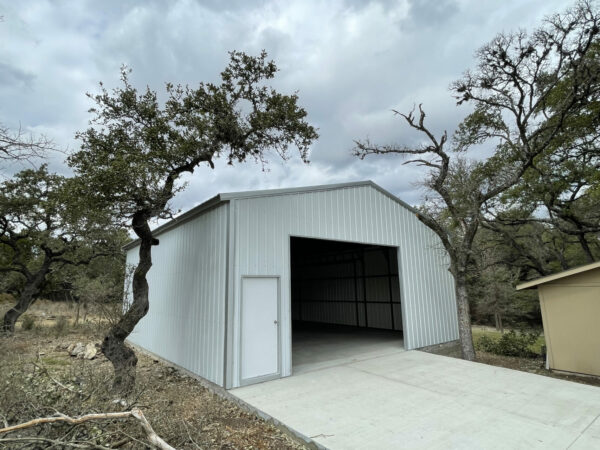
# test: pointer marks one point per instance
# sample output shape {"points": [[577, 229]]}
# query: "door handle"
{"points": [[275, 322]]}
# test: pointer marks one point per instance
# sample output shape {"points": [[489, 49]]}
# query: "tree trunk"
{"points": [[498, 319], [32, 287], [464, 317], [122, 357], [586, 248], [77, 314]]}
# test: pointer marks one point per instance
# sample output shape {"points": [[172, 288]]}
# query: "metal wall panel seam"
{"points": [[424, 288], [436, 304], [406, 250], [228, 381]]}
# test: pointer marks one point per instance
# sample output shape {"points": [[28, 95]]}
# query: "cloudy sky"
{"points": [[351, 62]]}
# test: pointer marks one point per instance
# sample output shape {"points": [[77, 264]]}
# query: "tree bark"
{"points": [[497, 311], [31, 289], [586, 248], [464, 317], [77, 313], [498, 318], [122, 357]]}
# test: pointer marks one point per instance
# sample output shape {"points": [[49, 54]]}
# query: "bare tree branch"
{"points": [[136, 413], [21, 146]]}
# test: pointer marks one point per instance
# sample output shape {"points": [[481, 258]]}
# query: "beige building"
{"points": [[570, 303]]}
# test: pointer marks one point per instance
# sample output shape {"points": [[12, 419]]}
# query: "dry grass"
{"points": [[187, 415], [47, 313]]}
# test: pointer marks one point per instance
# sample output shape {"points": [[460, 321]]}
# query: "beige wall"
{"points": [[571, 315]]}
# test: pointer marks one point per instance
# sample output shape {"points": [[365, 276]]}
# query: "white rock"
{"points": [[89, 352], [77, 349]]}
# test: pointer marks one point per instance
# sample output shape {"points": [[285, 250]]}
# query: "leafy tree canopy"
{"points": [[43, 227], [137, 147]]}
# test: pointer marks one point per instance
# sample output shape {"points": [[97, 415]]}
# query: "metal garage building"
{"points": [[232, 276]]}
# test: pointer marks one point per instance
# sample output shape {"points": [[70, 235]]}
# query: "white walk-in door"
{"points": [[260, 325]]}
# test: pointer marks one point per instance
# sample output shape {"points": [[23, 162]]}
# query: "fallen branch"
{"points": [[136, 413], [154, 438], [62, 444]]}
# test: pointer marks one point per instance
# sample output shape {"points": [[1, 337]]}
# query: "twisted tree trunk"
{"points": [[122, 357], [31, 289]]}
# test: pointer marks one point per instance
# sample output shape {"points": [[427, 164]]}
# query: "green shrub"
{"points": [[61, 326], [486, 344], [511, 343], [28, 322]]}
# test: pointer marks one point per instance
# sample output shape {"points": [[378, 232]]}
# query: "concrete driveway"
{"points": [[420, 400]]}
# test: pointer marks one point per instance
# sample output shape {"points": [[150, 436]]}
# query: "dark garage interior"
{"points": [[345, 299]]}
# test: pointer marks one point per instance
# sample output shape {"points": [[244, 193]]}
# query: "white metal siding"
{"points": [[262, 229], [188, 278]]}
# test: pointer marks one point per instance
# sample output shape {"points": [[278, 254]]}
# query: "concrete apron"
{"points": [[420, 400]]}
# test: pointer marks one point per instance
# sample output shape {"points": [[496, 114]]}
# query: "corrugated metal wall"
{"points": [[358, 286], [188, 278], [261, 233]]}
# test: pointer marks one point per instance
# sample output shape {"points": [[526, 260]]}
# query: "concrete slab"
{"points": [[317, 347], [420, 400]]}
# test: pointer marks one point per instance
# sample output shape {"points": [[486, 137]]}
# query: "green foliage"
{"points": [[28, 322], [45, 228], [561, 188], [102, 289], [511, 343], [61, 326], [104, 275], [138, 147], [41, 219]]}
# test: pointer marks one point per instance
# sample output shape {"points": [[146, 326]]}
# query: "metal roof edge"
{"points": [[321, 187], [188, 215], [393, 197], [558, 276], [295, 190], [225, 197]]}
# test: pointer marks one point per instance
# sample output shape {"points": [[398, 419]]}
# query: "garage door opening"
{"points": [[345, 300]]}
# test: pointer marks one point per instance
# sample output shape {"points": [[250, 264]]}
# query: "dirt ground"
{"points": [[38, 378], [531, 365]]}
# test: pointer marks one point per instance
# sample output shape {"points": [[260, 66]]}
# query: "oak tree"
{"points": [[44, 227], [515, 115], [137, 149]]}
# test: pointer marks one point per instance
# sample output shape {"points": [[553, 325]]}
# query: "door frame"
{"points": [[275, 375]]}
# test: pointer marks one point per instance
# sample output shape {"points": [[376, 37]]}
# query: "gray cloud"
{"points": [[12, 76], [432, 13], [352, 62]]}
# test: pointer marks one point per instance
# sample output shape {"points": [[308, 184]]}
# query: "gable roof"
{"points": [[558, 276], [226, 197]]}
